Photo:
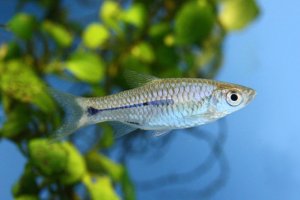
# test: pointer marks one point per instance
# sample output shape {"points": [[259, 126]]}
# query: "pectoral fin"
{"points": [[204, 117], [158, 133]]}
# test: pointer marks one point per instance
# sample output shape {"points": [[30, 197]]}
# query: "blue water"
{"points": [[260, 157]]}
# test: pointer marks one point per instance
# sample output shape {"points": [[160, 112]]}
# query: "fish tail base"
{"points": [[73, 108]]}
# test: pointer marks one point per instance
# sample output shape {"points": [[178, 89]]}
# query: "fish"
{"points": [[154, 104]]}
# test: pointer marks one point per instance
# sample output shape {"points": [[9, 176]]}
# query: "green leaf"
{"points": [[135, 15], [143, 51], [86, 66], [95, 35], [110, 13], [127, 187], [9, 50], [107, 139], [159, 29], [166, 57], [75, 168], [237, 14], [169, 40], [57, 160], [55, 65], [13, 51], [27, 184], [98, 163], [135, 64], [17, 120], [3, 51], [194, 22], [49, 158], [23, 25], [20, 82], [100, 187], [58, 33]]}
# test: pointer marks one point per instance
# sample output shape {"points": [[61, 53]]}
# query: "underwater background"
{"points": [[251, 154]]}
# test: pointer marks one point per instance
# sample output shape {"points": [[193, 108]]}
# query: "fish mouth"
{"points": [[250, 94]]}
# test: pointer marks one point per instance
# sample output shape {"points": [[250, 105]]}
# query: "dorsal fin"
{"points": [[135, 79]]}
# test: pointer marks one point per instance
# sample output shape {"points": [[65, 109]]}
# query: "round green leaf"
{"points": [[20, 82], [143, 51], [95, 35], [135, 15], [86, 66], [100, 187], [194, 22], [49, 158], [110, 13], [159, 29], [75, 167], [99, 163], [58, 33], [237, 14], [23, 25], [60, 160]]}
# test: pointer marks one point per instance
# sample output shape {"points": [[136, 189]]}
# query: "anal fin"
{"points": [[121, 129]]}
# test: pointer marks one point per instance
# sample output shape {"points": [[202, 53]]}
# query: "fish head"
{"points": [[228, 98]]}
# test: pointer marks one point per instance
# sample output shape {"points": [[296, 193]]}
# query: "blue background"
{"points": [[262, 140]]}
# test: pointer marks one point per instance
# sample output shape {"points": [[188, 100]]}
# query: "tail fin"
{"points": [[73, 107]]}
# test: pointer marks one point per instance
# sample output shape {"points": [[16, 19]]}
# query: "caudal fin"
{"points": [[73, 107]]}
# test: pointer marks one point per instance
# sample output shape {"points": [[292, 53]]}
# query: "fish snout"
{"points": [[250, 95]]}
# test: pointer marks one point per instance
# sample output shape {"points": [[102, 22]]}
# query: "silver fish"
{"points": [[160, 105]]}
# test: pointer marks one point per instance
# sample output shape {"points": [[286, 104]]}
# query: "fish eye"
{"points": [[234, 98]]}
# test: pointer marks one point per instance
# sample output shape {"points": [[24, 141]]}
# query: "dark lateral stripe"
{"points": [[163, 102], [92, 111], [135, 123]]}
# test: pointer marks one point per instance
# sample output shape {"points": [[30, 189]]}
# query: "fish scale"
{"points": [[183, 93]]}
